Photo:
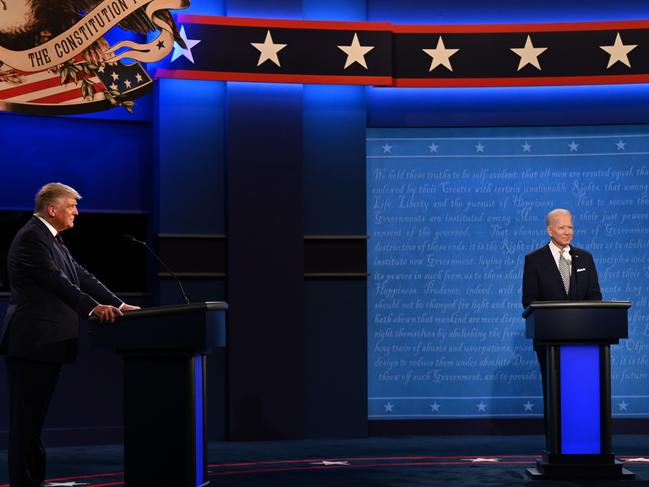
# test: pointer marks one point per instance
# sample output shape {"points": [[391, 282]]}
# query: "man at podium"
{"points": [[559, 272], [49, 292]]}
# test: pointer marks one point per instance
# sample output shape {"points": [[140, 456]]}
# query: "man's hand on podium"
{"points": [[128, 307], [106, 313]]}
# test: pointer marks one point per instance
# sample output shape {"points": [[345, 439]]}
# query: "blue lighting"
{"points": [[277, 9], [580, 400], [339, 10], [198, 402]]}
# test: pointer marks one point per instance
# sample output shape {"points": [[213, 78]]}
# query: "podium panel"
{"points": [[164, 354], [575, 338]]}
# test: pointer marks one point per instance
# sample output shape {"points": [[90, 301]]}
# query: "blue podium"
{"points": [[577, 336], [163, 351]]}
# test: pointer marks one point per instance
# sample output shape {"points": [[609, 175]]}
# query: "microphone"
{"points": [[132, 239]]}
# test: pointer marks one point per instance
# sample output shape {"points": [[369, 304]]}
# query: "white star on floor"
{"points": [[529, 54], [573, 146], [482, 407], [179, 51], [433, 147], [528, 406], [479, 147], [618, 52], [387, 148], [63, 484], [623, 405], [388, 407], [268, 50], [440, 55], [355, 52], [526, 147], [481, 460], [435, 407], [328, 463], [620, 145]]}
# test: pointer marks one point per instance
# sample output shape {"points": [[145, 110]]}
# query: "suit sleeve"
{"points": [[35, 260], [93, 286], [530, 283]]}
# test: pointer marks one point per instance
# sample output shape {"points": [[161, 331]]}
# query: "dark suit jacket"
{"points": [[542, 281], [49, 292]]}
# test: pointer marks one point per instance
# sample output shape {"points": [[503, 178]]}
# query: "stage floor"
{"points": [[367, 462]]}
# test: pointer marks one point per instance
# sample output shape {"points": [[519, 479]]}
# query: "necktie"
{"points": [[564, 270], [59, 239]]}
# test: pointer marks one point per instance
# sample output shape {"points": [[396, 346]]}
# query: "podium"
{"points": [[163, 350], [576, 337]]}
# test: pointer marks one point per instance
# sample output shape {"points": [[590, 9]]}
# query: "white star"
{"points": [[624, 406], [63, 484], [528, 406], [114, 87], [620, 145], [435, 407], [481, 460], [355, 52], [618, 52], [328, 463], [115, 76], [138, 77], [526, 147], [573, 146], [482, 407], [387, 148], [268, 50], [102, 67], [179, 51], [479, 147], [127, 83], [433, 147], [637, 460], [529, 54], [440, 55], [388, 407]]}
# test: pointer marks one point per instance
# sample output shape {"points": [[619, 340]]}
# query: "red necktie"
{"points": [[59, 239]]}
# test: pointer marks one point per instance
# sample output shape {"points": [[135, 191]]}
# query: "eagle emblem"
{"points": [[60, 45]]}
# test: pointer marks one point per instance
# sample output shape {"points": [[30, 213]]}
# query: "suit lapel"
{"points": [[62, 259]]}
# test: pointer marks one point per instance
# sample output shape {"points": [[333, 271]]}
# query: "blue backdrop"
{"points": [[451, 215]]}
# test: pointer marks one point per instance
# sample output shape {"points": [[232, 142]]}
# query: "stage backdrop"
{"points": [[451, 215]]}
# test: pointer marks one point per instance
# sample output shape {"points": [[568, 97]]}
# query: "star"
{"points": [[387, 148], [435, 407], [440, 55], [179, 51], [138, 77], [637, 460], [114, 87], [63, 484], [620, 145], [624, 406], [529, 54], [388, 407], [482, 407], [528, 406], [433, 147], [329, 463], [573, 146], [526, 147], [479, 147], [481, 460], [618, 52], [101, 68], [127, 83], [115, 76], [355, 52], [160, 45]]}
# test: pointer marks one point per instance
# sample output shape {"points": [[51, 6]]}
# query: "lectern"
{"points": [[164, 350], [577, 336]]}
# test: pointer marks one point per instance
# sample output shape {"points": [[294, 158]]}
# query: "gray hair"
{"points": [[556, 212], [50, 193]]}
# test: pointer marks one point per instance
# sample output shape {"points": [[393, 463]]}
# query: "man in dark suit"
{"points": [[559, 272], [49, 293]]}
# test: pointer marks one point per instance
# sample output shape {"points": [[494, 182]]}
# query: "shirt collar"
{"points": [[556, 250], [47, 224]]}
